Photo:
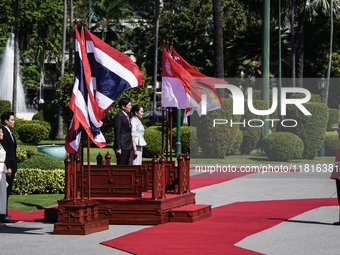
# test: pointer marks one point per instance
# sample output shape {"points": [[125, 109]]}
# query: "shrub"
{"points": [[19, 122], [235, 149], [215, 141], [310, 128], [147, 122], [153, 138], [275, 114], [37, 181], [188, 139], [332, 142], [38, 116], [283, 146], [32, 133], [41, 161], [333, 118], [21, 154], [251, 135], [50, 114], [315, 98], [5, 106]]}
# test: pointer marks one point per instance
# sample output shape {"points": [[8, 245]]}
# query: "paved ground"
{"points": [[309, 233]]}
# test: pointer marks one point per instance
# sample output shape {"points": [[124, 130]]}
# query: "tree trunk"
{"points": [[293, 43], [218, 42], [330, 52], [300, 43], [60, 133], [16, 50], [70, 66], [155, 63]]}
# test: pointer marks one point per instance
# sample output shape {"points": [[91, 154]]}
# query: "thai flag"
{"points": [[102, 74], [86, 111], [112, 71]]}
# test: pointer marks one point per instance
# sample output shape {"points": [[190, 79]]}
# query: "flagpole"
{"points": [[88, 167], [178, 149], [88, 138]]}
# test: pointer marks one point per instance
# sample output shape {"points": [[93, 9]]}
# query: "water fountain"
{"points": [[6, 78]]}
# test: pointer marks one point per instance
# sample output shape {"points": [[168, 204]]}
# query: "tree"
{"points": [[179, 17], [327, 6], [60, 134], [40, 39]]}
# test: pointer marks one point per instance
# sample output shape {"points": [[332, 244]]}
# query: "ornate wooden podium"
{"points": [[155, 192]]}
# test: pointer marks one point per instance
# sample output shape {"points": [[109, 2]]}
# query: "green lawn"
{"points": [[29, 203], [255, 158]]}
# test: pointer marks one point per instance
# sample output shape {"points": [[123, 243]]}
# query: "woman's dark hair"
{"points": [[135, 108]]}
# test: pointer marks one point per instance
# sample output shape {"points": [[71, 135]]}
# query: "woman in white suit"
{"points": [[3, 172], [137, 132]]}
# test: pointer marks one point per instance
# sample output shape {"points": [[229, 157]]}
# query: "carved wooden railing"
{"points": [[127, 180]]}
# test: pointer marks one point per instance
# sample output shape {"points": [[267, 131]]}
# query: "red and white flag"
{"points": [[203, 83], [176, 90]]}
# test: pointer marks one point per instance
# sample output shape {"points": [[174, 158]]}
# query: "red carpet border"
{"points": [[227, 226]]}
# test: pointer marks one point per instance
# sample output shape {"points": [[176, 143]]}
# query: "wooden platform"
{"points": [[155, 192], [190, 213], [144, 211]]}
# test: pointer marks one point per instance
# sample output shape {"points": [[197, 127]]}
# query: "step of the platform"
{"points": [[190, 213]]}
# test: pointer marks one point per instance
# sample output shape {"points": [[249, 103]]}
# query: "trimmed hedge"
{"points": [[39, 116], [251, 135], [41, 161], [282, 146], [147, 122], [153, 138], [19, 122], [315, 98], [215, 141], [5, 106], [37, 181], [333, 118], [21, 154], [189, 139], [332, 142], [235, 149], [32, 133], [275, 114], [310, 128]]}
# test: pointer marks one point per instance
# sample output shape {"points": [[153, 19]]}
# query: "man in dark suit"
{"points": [[122, 129], [10, 145]]}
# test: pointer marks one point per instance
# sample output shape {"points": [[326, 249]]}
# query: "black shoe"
{"points": [[8, 219], [336, 223]]}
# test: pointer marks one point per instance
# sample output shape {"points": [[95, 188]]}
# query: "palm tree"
{"points": [[218, 41], [60, 134], [327, 6]]}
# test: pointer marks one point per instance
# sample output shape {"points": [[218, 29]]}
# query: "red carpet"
{"points": [[27, 216], [228, 225], [207, 179]]}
